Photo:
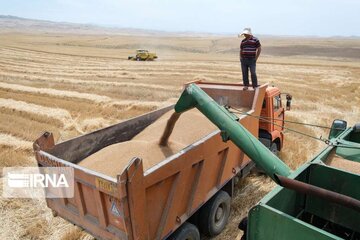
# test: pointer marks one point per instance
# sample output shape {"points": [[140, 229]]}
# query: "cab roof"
{"points": [[272, 91]]}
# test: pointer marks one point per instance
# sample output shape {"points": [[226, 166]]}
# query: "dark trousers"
{"points": [[246, 64]]}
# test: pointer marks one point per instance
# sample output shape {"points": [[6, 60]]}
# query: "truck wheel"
{"points": [[214, 214], [187, 231], [137, 59], [274, 149]]}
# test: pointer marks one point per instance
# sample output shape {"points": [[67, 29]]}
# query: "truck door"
{"points": [[278, 113]]}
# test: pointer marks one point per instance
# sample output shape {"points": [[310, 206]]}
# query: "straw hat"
{"points": [[245, 31]]}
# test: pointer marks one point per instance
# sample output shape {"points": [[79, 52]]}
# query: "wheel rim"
{"points": [[219, 214], [273, 149]]}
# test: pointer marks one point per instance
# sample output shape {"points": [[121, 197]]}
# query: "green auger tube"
{"points": [[231, 129]]}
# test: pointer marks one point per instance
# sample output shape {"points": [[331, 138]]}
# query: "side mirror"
{"points": [[337, 127], [288, 102]]}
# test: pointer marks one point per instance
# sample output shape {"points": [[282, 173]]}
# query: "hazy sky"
{"points": [[277, 17]]}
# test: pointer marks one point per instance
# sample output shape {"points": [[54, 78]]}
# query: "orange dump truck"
{"points": [[174, 199]]}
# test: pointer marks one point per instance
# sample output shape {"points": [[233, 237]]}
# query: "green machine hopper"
{"points": [[319, 200]]}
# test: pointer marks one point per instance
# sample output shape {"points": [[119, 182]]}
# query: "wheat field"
{"points": [[74, 84]]}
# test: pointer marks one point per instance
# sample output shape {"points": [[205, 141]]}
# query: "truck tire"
{"points": [[214, 214], [274, 149], [137, 59], [187, 231]]}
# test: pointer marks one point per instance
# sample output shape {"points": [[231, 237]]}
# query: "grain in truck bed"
{"points": [[111, 160]]}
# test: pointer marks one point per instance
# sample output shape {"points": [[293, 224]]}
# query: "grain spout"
{"points": [[169, 128]]}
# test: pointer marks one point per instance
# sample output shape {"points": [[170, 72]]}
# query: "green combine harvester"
{"points": [[320, 200]]}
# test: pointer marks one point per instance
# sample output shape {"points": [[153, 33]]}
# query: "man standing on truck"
{"points": [[250, 49]]}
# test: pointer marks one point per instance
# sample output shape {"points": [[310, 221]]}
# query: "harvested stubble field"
{"points": [[73, 84]]}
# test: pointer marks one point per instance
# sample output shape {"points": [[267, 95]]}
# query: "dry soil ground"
{"points": [[73, 84]]}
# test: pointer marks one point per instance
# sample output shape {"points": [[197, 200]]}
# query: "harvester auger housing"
{"points": [[231, 129]]}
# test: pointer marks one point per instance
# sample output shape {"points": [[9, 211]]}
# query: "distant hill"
{"points": [[17, 24], [11, 24]]}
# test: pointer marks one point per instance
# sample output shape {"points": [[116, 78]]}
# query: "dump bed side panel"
{"points": [[177, 187], [99, 204]]}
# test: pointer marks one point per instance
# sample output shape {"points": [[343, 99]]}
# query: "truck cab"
{"points": [[271, 125]]}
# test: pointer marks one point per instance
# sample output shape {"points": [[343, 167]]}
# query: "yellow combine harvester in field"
{"points": [[143, 55]]}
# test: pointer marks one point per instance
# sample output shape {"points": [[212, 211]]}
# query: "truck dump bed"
{"points": [[149, 203]]}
